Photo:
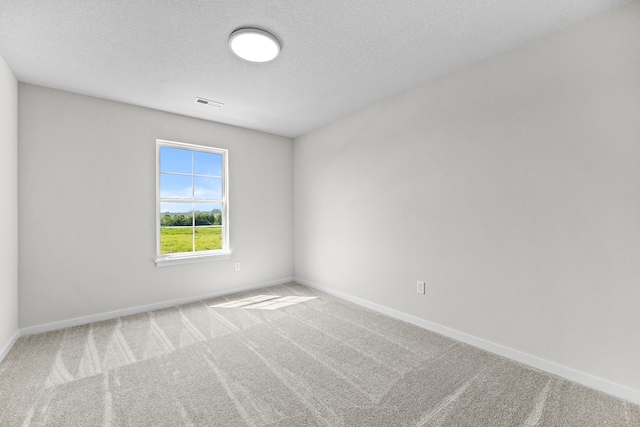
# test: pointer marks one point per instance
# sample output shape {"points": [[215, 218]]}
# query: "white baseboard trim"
{"points": [[7, 348], [54, 326], [524, 358]]}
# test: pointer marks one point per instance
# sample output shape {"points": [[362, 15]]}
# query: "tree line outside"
{"points": [[169, 219]]}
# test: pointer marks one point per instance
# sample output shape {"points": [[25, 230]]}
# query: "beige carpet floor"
{"points": [[282, 356]]}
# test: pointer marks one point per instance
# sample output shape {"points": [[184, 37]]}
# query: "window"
{"points": [[192, 209]]}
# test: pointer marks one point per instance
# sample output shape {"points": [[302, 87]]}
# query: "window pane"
{"points": [[207, 188], [176, 215], [176, 228], [208, 214], [175, 186], [208, 234], [208, 238], [207, 164], [174, 240], [175, 160]]}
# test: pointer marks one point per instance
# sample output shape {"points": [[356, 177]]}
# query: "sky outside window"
{"points": [[186, 174]]}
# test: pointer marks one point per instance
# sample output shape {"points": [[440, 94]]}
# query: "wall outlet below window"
{"points": [[420, 287]]}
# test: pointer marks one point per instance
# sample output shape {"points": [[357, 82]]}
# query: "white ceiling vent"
{"points": [[208, 102]]}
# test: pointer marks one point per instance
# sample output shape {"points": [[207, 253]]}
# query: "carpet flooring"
{"points": [[281, 356]]}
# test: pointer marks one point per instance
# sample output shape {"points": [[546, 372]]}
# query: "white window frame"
{"points": [[190, 257]]}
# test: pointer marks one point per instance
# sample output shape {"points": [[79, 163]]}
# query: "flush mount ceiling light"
{"points": [[254, 45]]}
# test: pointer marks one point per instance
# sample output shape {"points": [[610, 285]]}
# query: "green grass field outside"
{"points": [[173, 240]]}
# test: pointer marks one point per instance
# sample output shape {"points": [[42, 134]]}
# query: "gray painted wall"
{"points": [[511, 188], [9, 211], [87, 207]]}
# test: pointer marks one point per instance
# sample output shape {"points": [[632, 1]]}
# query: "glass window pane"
{"points": [[176, 228], [207, 164], [207, 188], [175, 186], [208, 233], [176, 215], [208, 238], [175, 240], [175, 160], [208, 214]]}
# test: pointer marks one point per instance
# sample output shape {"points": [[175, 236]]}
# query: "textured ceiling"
{"points": [[338, 56]]}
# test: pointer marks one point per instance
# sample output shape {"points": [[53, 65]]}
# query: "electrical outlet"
{"points": [[237, 265], [420, 288]]}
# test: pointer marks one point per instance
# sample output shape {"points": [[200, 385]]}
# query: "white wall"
{"points": [[87, 207], [511, 188], [9, 210]]}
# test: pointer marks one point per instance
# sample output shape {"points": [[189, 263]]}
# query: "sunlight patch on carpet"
{"points": [[264, 302]]}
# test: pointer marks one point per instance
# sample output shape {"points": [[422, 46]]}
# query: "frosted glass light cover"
{"points": [[254, 45]]}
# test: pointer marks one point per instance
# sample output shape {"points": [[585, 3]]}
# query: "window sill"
{"points": [[190, 259]]}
